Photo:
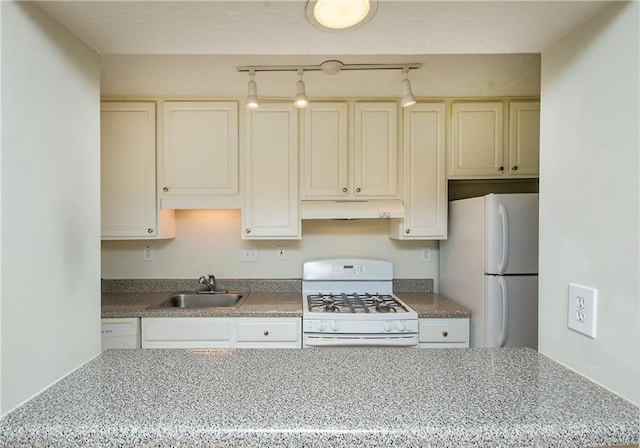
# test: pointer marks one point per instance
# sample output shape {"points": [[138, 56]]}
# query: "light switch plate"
{"points": [[583, 308]]}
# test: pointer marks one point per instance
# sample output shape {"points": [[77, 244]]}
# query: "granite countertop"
{"points": [[325, 397], [260, 304]]}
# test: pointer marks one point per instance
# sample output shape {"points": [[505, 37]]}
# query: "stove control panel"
{"points": [[353, 269]]}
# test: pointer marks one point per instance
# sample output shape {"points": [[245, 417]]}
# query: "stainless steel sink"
{"points": [[203, 300]]}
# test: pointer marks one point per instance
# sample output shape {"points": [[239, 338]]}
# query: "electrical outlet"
{"points": [[250, 254], [583, 307], [148, 253], [282, 253], [425, 254]]}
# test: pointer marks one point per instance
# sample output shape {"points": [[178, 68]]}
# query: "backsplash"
{"points": [[265, 285]]}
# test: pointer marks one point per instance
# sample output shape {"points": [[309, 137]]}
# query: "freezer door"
{"points": [[511, 316], [511, 233]]}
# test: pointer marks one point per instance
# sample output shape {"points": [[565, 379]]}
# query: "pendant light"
{"points": [[252, 96], [407, 96], [301, 99]]}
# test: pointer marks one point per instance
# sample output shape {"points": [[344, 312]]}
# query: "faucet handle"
{"points": [[202, 280]]}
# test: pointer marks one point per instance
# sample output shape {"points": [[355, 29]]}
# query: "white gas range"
{"points": [[350, 302]]}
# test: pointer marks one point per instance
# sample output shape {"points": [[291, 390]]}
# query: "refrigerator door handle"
{"points": [[502, 211], [505, 311]]}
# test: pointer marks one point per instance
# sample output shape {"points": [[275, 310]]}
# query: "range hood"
{"points": [[356, 209]]}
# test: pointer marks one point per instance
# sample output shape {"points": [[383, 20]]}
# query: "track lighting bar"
{"points": [[328, 67]]}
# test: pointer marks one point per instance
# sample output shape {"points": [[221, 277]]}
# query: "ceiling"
{"points": [[268, 27]]}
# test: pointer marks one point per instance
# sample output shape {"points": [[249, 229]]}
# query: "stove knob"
{"points": [[388, 326], [402, 326], [321, 326], [335, 325]]}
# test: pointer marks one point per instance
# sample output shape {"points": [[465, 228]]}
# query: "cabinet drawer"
{"points": [[268, 331], [443, 330], [186, 329]]}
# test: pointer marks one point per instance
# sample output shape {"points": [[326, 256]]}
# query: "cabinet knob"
{"points": [[344, 190], [165, 189], [514, 168], [445, 333], [149, 230], [265, 332], [407, 231], [247, 230], [358, 190], [501, 168]]}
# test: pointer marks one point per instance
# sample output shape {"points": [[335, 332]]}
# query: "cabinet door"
{"points": [[186, 332], [524, 138], [128, 172], [271, 209], [424, 176], [443, 333], [268, 333], [376, 149], [325, 149], [200, 154], [477, 148]]}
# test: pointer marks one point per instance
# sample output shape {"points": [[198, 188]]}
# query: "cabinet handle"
{"points": [[358, 190], [344, 190], [165, 189], [407, 231], [149, 230], [265, 332], [501, 168], [247, 230], [445, 333], [514, 168]]}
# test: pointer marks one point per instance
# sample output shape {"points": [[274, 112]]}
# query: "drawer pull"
{"points": [[445, 333], [265, 332]]}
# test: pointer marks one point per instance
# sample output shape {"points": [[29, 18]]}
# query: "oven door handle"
{"points": [[407, 340]]}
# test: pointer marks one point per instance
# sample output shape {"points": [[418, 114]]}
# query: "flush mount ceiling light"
{"points": [[252, 94], [407, 95], [340, 15], [301, 97]]}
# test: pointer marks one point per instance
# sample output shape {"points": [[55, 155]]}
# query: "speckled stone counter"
{"points": [[257, 304], [327, 397], [260, 304]]}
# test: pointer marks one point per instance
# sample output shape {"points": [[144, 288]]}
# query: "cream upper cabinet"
{"points": [[129, 209], [325, 150], [524, 138], [477, 148], [477, 140], [200, 160], [350, 150], [424, 174], [271, 208]]}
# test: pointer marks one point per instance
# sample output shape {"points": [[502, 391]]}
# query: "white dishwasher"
{"points": [[120, 333]]}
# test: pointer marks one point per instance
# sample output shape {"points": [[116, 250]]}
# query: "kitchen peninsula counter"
{"points": [[261, 304], [327, 397]]}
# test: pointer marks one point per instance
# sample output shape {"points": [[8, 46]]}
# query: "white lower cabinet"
{"points": [[256, 332], [443, 333], [221, 332], [120, 332]]}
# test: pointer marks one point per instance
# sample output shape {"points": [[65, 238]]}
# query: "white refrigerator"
{"points": [[489, 264]]}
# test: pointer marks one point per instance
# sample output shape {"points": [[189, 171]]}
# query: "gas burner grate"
{"points": [[354, 303]]}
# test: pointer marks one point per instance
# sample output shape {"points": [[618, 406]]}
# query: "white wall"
{"points": [[210, 241], [50, 291], [590, 195]]}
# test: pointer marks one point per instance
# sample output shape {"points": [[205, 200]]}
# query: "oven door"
{"points": [[359, 340]]}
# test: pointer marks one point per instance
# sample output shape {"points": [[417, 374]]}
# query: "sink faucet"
{"points": [[208, 282]]}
